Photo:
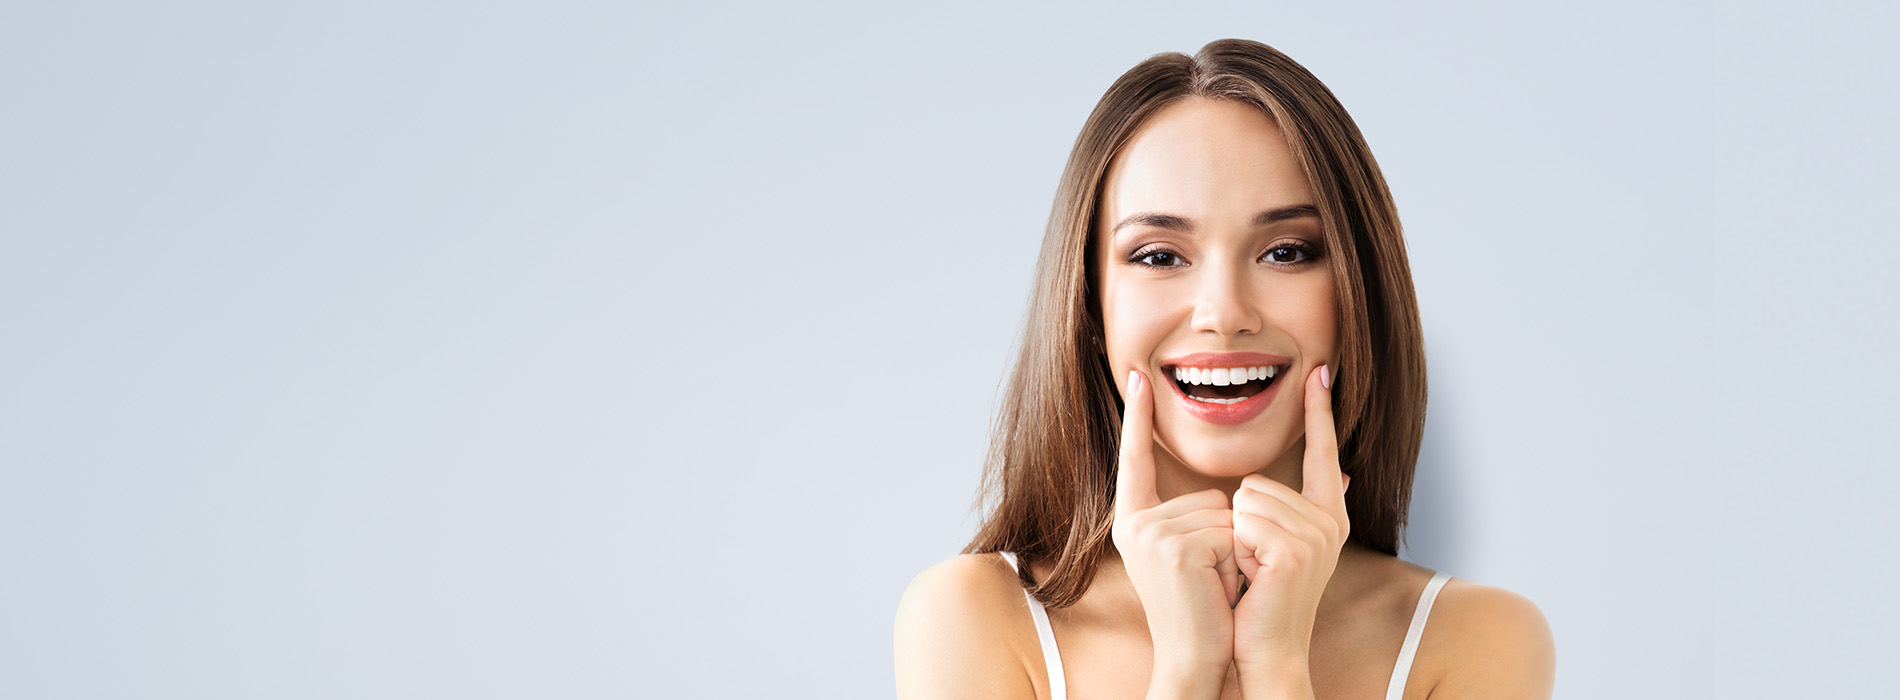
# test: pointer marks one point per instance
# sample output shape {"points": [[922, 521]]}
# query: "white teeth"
{"points": [[1222, 376], [1224, 402]]}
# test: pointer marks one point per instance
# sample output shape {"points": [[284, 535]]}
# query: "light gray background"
{"points": [[484, 350]]}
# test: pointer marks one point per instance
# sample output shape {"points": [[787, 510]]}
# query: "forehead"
{"points": [[1219, 161]]}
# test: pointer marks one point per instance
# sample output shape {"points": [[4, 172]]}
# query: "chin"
{"points": [[1234, 459]]}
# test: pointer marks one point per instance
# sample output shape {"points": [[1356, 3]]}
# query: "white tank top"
{"points": [[1395, 690]]}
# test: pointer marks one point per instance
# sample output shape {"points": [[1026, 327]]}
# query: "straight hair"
{"points": [[1049, 476]]}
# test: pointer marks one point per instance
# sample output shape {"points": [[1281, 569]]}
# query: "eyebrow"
{"points": [[1184, 224]]}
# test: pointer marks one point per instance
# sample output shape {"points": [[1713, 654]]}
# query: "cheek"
{"points": [[1133, 321], [1310, 315], [1325, 323]]}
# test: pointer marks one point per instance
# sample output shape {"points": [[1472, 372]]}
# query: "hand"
{"points": [[1179, 554], [1287, 545]]}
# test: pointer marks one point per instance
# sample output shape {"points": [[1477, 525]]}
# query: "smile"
{"points": [[1225, 388], [1224, 385]]}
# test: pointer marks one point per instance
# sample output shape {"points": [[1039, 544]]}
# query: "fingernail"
{"points": [[1134, 378], [1325, 379]]}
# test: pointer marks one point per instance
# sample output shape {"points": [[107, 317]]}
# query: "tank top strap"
{"points": [[1050, 657], [1403, 670]]}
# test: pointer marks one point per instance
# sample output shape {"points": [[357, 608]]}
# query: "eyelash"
{"points": [[1140, 256]]}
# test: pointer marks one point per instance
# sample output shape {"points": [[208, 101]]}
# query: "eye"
{"points": [[1155, 258], [1290, 254]]}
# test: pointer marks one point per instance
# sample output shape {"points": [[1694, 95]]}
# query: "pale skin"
{"points": [[1202, 507]]}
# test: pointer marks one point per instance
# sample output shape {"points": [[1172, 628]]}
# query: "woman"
{"points": [[1204, 457]]}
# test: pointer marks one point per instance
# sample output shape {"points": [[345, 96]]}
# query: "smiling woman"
{"points": [[1201, 468]]}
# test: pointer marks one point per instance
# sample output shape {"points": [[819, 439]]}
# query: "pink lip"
{"points": [[1226, 359], [1227, 414]]}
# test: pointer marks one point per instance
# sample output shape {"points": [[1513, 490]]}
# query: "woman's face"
{"points": [[1210, 256]]}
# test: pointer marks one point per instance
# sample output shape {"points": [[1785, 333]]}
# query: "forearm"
{"points": [[1287, 679], [1185, 682]]}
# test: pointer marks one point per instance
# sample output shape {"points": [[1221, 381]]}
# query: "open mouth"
{"points": [[1223, 385]]}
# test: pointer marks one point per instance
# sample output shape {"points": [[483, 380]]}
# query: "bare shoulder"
{"points": [[959, 632], [1489, 642]]}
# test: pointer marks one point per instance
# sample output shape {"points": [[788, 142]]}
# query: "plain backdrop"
{"points": [[589, 350]]}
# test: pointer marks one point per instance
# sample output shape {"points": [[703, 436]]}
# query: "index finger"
{"points": [[1135, 469], [1320, 474]]}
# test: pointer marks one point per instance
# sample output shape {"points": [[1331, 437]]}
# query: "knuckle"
{"points": [[1244, 526]]}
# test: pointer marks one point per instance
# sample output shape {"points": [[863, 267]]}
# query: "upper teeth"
{"points": [[1222, 376]]}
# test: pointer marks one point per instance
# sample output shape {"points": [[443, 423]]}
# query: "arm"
{"points": [[1503, 646], [1287, 679], [1170, 682], [951, 640]]}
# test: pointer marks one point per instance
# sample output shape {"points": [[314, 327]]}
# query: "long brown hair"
{"points": [[1051, 465]]}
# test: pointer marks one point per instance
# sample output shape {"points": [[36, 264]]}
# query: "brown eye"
{"points": [[1289, 255], [1163, 259], [1156, 258]]}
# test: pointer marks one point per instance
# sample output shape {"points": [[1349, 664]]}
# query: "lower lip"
{"points": [[1228, 413]]}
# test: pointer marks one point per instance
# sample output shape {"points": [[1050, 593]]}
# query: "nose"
{"points": [[1224, 304]]}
